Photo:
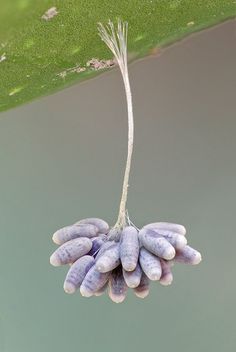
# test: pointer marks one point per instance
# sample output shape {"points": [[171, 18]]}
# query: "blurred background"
{"points": [[62, 159]]}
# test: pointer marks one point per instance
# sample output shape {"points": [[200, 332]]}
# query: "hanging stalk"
{"points": [[117, 43]]}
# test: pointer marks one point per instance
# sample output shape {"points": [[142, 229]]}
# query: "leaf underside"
{"points": [[39, 56]]}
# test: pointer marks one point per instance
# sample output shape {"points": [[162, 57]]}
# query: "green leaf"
{"points": [[39, 56]]}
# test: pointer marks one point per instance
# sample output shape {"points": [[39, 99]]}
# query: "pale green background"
{"points": [[62, 159]]}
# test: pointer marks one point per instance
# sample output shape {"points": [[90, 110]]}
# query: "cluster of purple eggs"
{"points": [[101, 259]]}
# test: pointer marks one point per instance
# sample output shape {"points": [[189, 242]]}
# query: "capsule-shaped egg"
{"points": [[70, 251], [168, 226], [150, 264], [166, 275], [109, 259], [101, 291], [93, 281], [142, 290], [156, 244], [97, 242], [132, 278], [102, 225], [103, 248], [74, 231], [129, 248], [117, 287], [188, 255], [77, 273], [176, 240]]}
